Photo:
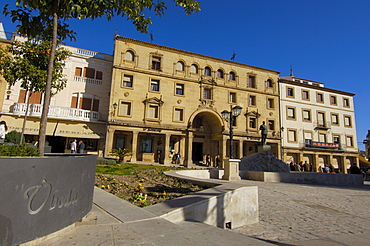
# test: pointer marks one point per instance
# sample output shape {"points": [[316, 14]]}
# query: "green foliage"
{"points": [[121, 153], [13, 137], [18, 150], [105, 161], [27, 63], [127, 169]]}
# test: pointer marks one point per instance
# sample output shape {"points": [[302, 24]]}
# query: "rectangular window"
{"points": [[322, 137], [252, 81], [320, 97], [89, 73], [291, 113], [125, 109], [156, 63], [305, 95], [146, 145], [336, 139], [252, 100], [290, 92], [154, 85], [128, 80], [321, 119], [252, 123], [232, 97], [207, 93], [334, 119], [306, 115], [349, 141], [292, 136], [99, 75], [346, 102], [271, 125], [270, 103], [347, 121], [178, 114], [333, 100], [179, 89], [153, 112], [78, 72]]}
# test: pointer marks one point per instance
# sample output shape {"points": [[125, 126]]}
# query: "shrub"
{"points": [[121, 154], [105, 161], [18, 150], [13, 137]]}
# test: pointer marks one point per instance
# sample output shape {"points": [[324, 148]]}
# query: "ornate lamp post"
{"points": [[229, 116], [114, 108]]}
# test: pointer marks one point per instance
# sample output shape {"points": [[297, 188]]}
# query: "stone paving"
{"points": [[295, 212]]}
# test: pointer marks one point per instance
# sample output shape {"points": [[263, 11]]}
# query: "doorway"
{"points": [[197, 152]]}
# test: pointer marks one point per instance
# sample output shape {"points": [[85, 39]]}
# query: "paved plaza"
{"points": [[297, 214]]}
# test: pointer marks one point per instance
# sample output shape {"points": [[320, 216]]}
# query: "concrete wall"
{"points": [[41, 195]]}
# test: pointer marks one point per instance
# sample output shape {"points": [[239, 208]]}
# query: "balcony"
{"points": [[322, 145], [65, 113], [323, 125]]}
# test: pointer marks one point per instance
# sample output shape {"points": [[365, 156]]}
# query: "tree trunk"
{"points": [[45, 109]]}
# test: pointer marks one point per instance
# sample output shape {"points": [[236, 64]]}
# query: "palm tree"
{"points": [[121, 154]]}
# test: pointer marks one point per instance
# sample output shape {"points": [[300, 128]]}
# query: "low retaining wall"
{"points": [[304, 177], [226, 205], [41, 195]]}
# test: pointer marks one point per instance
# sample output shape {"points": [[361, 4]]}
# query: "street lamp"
{"points": [[229, 116], [114, 107]]}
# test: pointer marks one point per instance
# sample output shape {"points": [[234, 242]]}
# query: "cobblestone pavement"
{"points": [[296, 212]]}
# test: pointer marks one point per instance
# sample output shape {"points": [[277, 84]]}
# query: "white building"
{"points": [[318, 124]]}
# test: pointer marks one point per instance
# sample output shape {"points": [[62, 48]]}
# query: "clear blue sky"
{"points": [[326, 41]]}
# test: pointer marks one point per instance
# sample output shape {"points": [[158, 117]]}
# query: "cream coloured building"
{"points": [[79, 111], [167, 100], [318, 124]]}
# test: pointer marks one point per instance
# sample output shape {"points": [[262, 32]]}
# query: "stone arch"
{"points": [[210, 121]]}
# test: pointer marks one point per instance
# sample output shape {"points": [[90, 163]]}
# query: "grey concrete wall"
{"points": [[41, 195]]}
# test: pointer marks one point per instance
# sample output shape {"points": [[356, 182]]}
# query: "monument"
{"points": [[263, 146]]}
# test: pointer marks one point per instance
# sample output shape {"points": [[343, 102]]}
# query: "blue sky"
{"points": [[325, 41]]}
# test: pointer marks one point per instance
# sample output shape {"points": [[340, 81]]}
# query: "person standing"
{"points": [[81, 147], [73, 146], [3, 131], [264, 131]]}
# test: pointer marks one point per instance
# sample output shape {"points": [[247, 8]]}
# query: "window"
{"points": [[231, 76], [253, 123], [156, 63], [291, 113], [99, 75], [336, 139], [349, 141], [232, 97], [334, 119], [333, 100], [290, 92], [320, 97], [271, 125], [270, 103], [78, 71], [179, 89], [194, 69], [308, 136], [269, 83], [321, 119], [129, 56], [154, 85], [322, 137], [252, 100], [220, 74], [251, 81], [180, 66], [35, 97], [347, 121], [125, 109], [292, 136], [146, 145], [89, 73], [127, 80], [178, 114], [207, 71], [345, 102], [305, 95], [153, 112], [306, 115], [207, 93], [85, 101]]}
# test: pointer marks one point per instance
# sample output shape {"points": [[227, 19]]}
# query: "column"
{"points": [[167, 160], [224, 147], [343, 167], [300, 157], [134, 145], [315, 161], [240, 149], [188, 162], [109, 141]]}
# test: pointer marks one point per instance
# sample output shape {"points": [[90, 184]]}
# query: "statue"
{"points": [[264, 132]]}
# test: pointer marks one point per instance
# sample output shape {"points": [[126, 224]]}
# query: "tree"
{"points": [[27, 63], [121, 154], [46, 19]]}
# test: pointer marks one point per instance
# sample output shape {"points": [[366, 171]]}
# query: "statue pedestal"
{"points": [[231, 169], [264, 148]]}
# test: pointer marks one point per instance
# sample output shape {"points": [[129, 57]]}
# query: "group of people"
{"points": [[77, 148], [300, 167], [175, 158]]}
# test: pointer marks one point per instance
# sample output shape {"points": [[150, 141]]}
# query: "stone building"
{"points": [[165, 100], [318, 124], [367, 145], [79, 111]]}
